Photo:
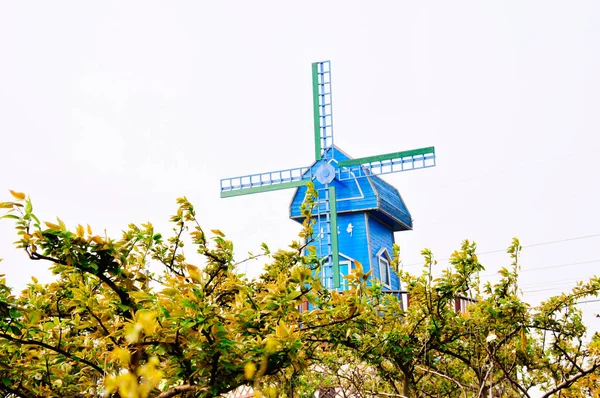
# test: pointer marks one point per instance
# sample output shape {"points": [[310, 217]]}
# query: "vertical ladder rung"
{"points": [[325, 108]]}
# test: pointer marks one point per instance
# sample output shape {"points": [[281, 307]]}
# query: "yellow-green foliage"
{"points": [[110, 326]]}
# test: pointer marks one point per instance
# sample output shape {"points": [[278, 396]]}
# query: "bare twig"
{"points": [[102, 326], [568, 382]]}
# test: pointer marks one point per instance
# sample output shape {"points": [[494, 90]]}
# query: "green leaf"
{"points": [[265, 248], [188, 304], [28, 206], [165, 312], [14, 313]]}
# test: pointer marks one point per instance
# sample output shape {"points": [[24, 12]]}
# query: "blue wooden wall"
{"points": [[353, 195], [354, 246], [361, 194], [369, 235], [380, 237], [374, 208]]}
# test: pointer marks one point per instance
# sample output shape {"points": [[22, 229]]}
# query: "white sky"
{"points": [[108, 112]]}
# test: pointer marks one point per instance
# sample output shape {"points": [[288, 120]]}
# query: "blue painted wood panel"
{"points": [[359, 195], [380, 237], [354, 244], [352, 195], [373, 208], [391, 203]]}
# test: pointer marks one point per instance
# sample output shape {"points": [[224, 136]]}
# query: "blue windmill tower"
{"points": [[356, 212]]}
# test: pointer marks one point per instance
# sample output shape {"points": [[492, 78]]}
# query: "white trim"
{"points": [[380, 260], [347, 257], [350, 261], [342, 152], [350, 267], [384, 255], [351, 264], [369, 248], [362, 195], [387, 253]]}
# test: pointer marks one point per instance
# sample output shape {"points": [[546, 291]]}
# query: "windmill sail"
{"points": [[385, 164], [263, 182], [322, 110], [368, 211]]}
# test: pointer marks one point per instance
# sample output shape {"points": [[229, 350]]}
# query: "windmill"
{"points": [[350, 195]]}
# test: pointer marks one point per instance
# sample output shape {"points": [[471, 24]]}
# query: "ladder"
{"points": [[323, 236], [325, 110]]}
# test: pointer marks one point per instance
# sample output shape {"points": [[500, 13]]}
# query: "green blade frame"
{"points": [[388, 156], [335, 254], [316, 117], [265, 188]]}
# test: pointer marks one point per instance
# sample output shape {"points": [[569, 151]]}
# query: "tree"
{"points": [[108, 325], [500, 346], [132, 317]]}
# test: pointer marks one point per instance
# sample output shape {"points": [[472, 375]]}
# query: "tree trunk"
{"points": [[406, 384]]}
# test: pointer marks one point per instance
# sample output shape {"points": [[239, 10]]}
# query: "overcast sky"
{"points": [[111, 110]]}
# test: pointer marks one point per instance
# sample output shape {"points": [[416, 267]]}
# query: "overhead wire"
{"points": [[524, 246], [536, 245], [556, 282], [549, 267], [556, 285]]}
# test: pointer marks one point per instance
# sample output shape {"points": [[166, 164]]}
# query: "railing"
{"points": [[402, 295], [461, 303]]}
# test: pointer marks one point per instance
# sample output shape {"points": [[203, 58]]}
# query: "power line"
{"points": [[540, 290], [588, 301], [563, 240], [556, 282], [558, 286], [524, 246], [561, 265], [549, 267]]}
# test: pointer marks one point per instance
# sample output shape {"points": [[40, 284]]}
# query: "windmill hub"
{"points": [[325, 173]]}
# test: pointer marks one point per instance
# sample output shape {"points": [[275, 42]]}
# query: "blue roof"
{"points": [[391, 207], [370, 194]]}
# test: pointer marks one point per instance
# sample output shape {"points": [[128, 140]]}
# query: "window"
{"points": [[383, 258], [384, 270], [345, 270]]}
